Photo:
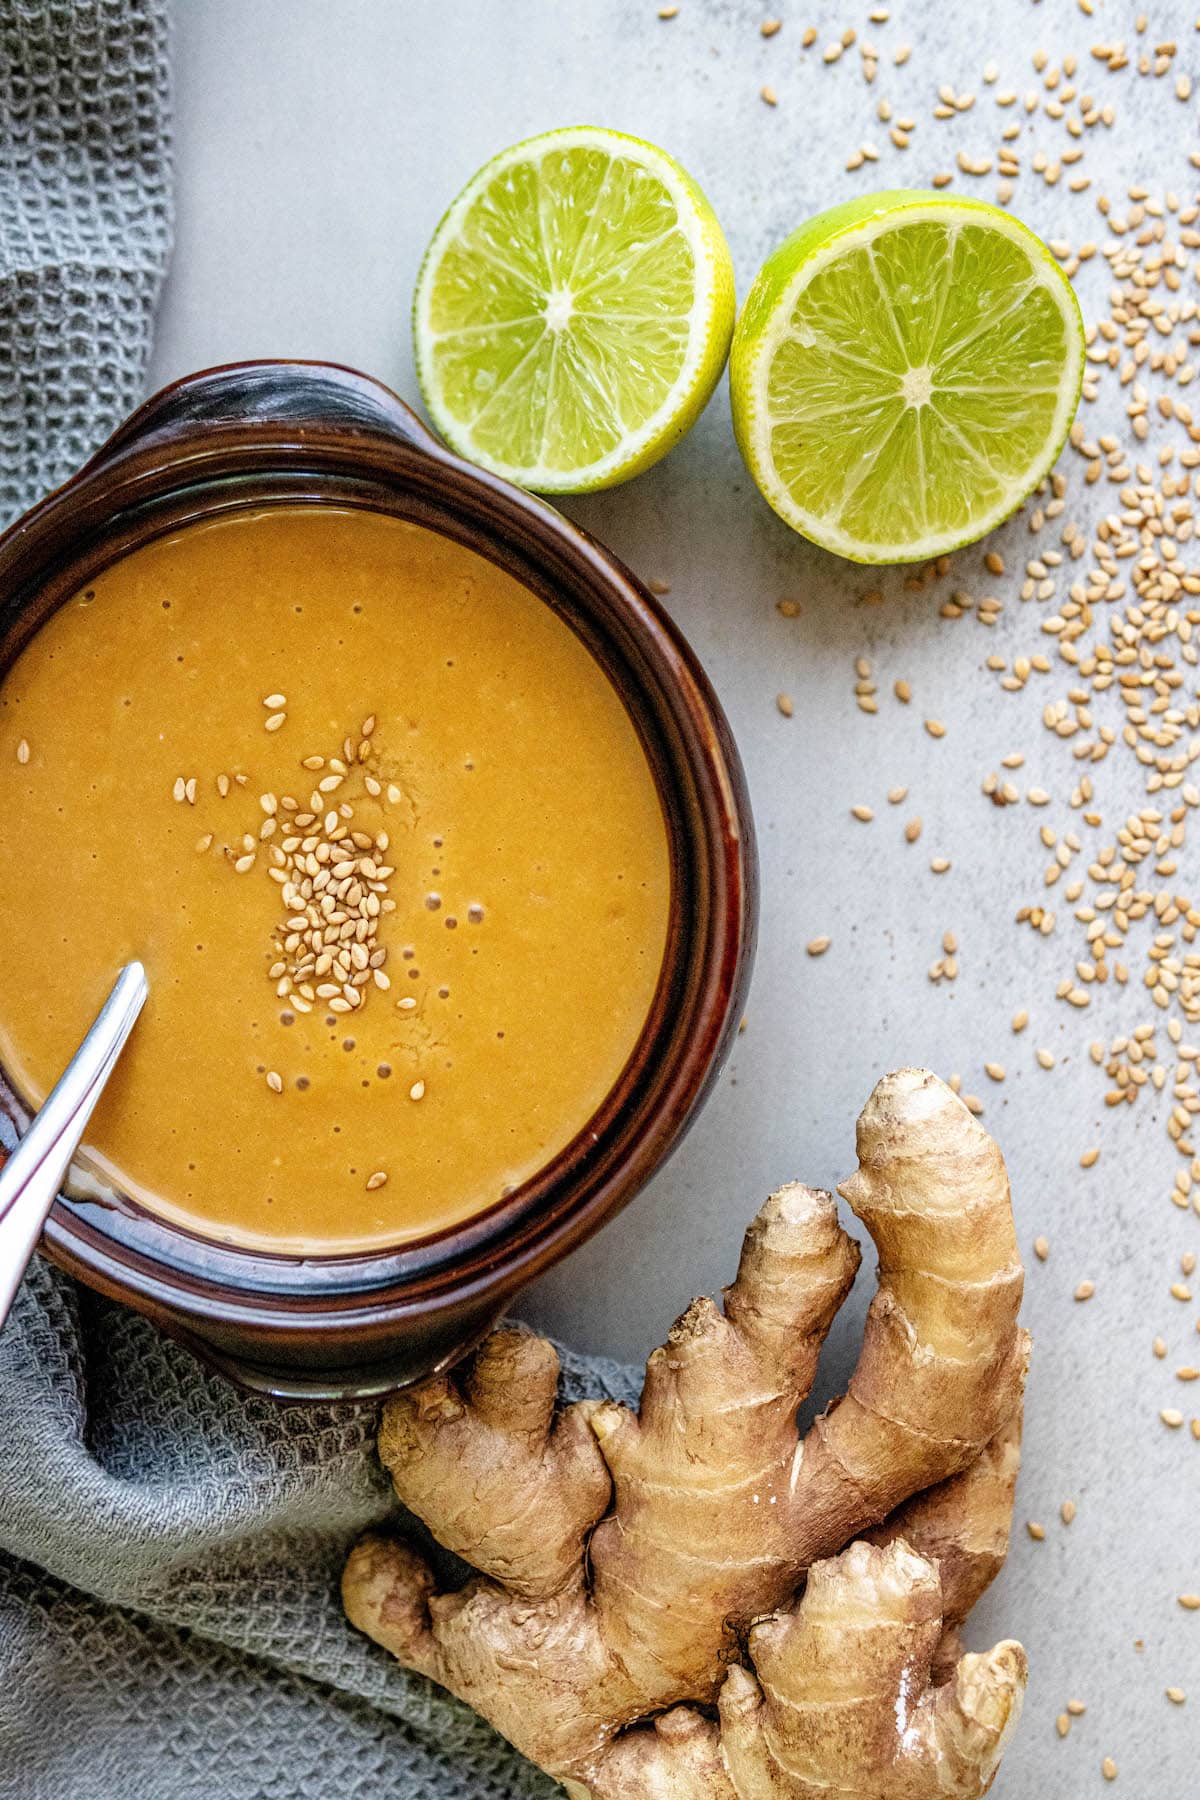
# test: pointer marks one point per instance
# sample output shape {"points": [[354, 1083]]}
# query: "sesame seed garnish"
{"points": [[377, 1180], [785, 704], [818, 946], [274, 1081], [1068, 1512], [417, 1091], [23, 751], [1085, 1290], [862, 813], [1108, 1769], [1037, 1532], [275, 720], [273, 702], [1041, 1248]]}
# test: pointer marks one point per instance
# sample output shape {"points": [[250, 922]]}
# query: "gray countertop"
{"points": [[317, 147]]}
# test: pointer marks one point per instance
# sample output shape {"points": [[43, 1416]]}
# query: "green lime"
{"points": [[905, 369], [573, 311]]}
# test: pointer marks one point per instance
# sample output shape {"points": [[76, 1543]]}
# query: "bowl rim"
{"points": [[243, 435]]}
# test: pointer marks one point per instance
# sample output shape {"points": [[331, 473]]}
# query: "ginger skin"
{"points": [[648, 1563]]}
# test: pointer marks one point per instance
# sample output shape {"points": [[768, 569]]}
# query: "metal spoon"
{"points": [[33, 1174]]}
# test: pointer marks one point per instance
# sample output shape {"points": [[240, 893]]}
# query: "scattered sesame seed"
{"points": [[417, 1091], [862, 813], [274, 1081], [785, 704], [1041, 1248], [23, 751], [377, 1180], [1085, 1290], [818, 946]]}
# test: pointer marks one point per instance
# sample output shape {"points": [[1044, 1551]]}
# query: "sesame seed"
{"points": [[273, 702], [783, 701], [862, 813], [1041, 1248], [274, 1081], [935, 728], [275, 720], [417, 1091], [1085, 1290], [23, 751], [818, 946], [377, 1180]]}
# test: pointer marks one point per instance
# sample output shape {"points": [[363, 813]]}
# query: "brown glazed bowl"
{"points": [[357, 1325]]}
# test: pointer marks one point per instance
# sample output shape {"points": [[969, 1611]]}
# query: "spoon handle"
{"points": [[33, 1174]]}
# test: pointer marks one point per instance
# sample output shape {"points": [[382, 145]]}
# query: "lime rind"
{"points": [[629, 249], [818, 375]]}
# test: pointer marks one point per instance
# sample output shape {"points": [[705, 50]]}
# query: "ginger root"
{"points": [[672, 1604]]}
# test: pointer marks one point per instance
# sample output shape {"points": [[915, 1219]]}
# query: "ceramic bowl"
{"points": [[356, 1325]]}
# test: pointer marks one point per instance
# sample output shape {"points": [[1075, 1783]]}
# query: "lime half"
{"points": [[905, 369], [574, 310]]}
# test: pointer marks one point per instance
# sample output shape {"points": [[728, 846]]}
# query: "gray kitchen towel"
{"points": [[85, 227], [169, 1548]]}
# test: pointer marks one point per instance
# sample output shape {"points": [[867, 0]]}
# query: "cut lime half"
{"points": [[573, 311], [905, 370]]}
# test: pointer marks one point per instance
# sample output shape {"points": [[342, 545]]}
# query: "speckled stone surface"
{"points": [[317, 147]]}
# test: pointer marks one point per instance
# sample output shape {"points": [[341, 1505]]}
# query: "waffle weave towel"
{"points": [[169, 1548]]}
